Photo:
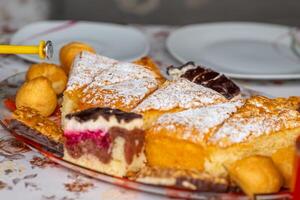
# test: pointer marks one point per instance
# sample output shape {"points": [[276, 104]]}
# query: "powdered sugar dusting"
{"points": [[86, 67], [200, 119], [258, 117], [180, 93], [107, 82], [239, 129]]}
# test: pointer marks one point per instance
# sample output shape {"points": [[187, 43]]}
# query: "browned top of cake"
{"points": [[100, 81], [41, 124], [206, 77], [106, 113]]}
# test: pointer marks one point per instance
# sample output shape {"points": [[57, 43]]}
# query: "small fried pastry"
{"points": [[284, 161], [52, 72], [256, 175], [70, 51], [37, 94]]}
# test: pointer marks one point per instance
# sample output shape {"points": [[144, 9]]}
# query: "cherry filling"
{"points": [[100, 138], [96, 142]]}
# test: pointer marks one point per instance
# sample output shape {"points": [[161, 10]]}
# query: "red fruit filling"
{"points": [[100, 138]]}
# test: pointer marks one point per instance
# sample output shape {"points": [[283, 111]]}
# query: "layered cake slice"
{"points": [[106, 140], [98, 81]]}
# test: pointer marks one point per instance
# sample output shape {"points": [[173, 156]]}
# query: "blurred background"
{"points": [[16, 13]]}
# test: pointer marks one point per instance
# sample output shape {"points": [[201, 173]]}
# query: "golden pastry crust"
{"points": [[37, 94], [284, 161], [43, 125], [256, 175], [70, 51], [52, 72], [148, 63]]}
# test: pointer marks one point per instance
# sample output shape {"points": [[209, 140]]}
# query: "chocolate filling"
{"points": [[209, 78], [201, 185], [134, 142], [106, 113]]}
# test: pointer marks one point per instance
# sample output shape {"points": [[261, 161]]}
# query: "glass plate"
{"points": [[8, 89]]}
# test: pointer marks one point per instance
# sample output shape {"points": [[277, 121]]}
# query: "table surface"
{"points": [[25, 174]]}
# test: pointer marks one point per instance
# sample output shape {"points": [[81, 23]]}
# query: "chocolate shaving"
{"points": [[207, 78], [106, 113]]}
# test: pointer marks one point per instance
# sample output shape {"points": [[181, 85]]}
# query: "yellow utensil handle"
{"points": [[16, 49]]}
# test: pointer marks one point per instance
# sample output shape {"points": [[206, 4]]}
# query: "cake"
{"points": [[98, 81], [107, 140], [174, 96], [188, 88], [210, 139], [183, 135]]}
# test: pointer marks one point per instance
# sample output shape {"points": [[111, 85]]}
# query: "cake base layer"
{"points": [[170, 152], [173, 153], [117, 166]]}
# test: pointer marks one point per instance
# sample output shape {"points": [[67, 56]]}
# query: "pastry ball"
{"points": [[69, 52], [53, 72], [284, 161], [37, 94], [256, 175]]}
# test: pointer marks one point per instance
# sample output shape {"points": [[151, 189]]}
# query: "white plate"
{"points": [[116, 41], [240, 50]]}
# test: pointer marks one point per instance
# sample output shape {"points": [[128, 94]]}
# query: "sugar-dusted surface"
{"points": [[180, 93], [198, 122], [102, 81], [259, 116], [86, 67]]}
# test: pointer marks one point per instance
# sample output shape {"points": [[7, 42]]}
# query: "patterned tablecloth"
{"points": [[25, 174]]}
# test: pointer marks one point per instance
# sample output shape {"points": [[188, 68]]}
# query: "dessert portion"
{"points": [[54, 73], [221, 134], [192, 87], [256, 175], [100, 81], [106, 140], [206, 77], [262, 126], [37, 94], [184, 134], [31, 124]]}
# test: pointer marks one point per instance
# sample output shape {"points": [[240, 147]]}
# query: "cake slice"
{"points": [[98, 81], [174, 96], [261, 127], [183, 136], [211, 138], [106, 140]]}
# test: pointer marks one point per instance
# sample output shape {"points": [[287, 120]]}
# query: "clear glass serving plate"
{"points": [[8, 89]]}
